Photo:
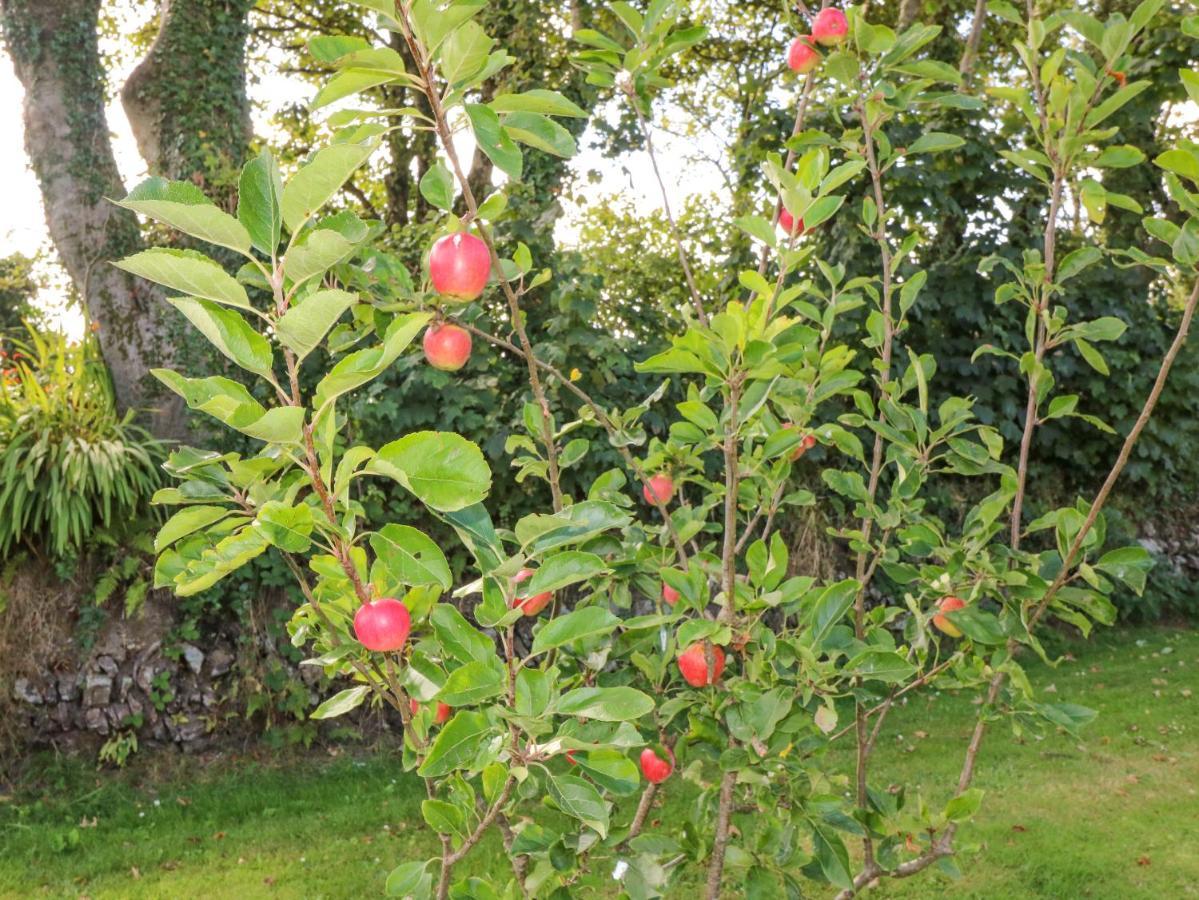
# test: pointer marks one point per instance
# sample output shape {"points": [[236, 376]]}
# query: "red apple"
{"points": [[669, 595], [443, 711], [830, 27], [803, 56], [383, 625], [693, 663], [655, 768], [447, 347], [530, 606], [789, 224], [659, 489], [459, 266], [570, 758], [806, 443], [948, 605]]}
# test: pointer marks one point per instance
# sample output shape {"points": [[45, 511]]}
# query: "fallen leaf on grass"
{"points": [[134, 873], [1143, 861], [1019, 828]]}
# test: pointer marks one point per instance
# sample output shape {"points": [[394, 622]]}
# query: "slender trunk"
{"points": [[723, 813]]}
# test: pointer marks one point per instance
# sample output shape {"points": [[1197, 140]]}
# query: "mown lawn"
{"points": [[1115, 816]]}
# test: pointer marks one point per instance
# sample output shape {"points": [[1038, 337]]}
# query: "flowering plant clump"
{"points": [[744, 671]]}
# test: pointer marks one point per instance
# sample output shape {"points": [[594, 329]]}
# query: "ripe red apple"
{"points": [[530, 606], [948, 605], [447, 347], [459, 266], [830, 27], [655, 768], [669, 595], [659, 489], [806, 443], [803, 56], [443, 711], [383, 625], [789, 223], [693, 663]]}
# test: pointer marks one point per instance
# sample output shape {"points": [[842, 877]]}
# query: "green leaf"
{"points": [[881, 665], [1180, 162], [1076, 261], [409, 880], [612, 770], [935, 142], [574, 525], [473, 682], [1128, 564], [580, 800], [259, 195], [231, 403], [305, 324], [445, 471], [187, 521], [561, 569], [540, 132], [410, 557], [464, 53], [359, 367], [494, 141], [443, 817], [315, 254], [229, 333], [977, 624], [1094, 200], [964, 806], [341, 703], [833, 858], [458, 637], [184, 207], [316, 182], [215, 562], [437, 186], [286, 527], [829, 608], [457, 744], [612, 704], [1120, 156], [549, 103], [590, 621], [187, 272]]}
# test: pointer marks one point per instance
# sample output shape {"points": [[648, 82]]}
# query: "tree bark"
{"points": [[187, 101], [54, 50]]}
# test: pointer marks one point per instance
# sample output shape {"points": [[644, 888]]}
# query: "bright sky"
{"points": [[23, 225]]}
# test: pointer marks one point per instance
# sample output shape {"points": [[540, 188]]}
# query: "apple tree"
{"points": [[666, 622]]}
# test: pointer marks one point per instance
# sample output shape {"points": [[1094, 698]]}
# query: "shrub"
{"points": [[70, 465]]}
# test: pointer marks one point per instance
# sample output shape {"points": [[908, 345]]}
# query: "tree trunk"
{"points": [[187, 99], [54, 50]]}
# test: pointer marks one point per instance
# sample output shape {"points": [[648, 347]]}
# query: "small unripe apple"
{"points": [[693, 663], [659, 489], [830, 27], [948, 605], [669, 595], [655, 768], [447, 347], [530, 606], [383, 625], [459, 266], [803, 56], [789, 223]]}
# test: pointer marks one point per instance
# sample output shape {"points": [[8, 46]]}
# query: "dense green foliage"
{"points": [[70, 466]]}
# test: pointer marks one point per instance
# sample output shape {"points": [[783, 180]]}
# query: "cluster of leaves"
{"points": [[70, 466], [539, 725]]}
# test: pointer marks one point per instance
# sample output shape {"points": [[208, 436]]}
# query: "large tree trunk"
{"points": [[54, 50], [187, 99]]}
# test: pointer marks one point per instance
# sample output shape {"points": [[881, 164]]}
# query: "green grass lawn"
{"points": [[1115, 816]]}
